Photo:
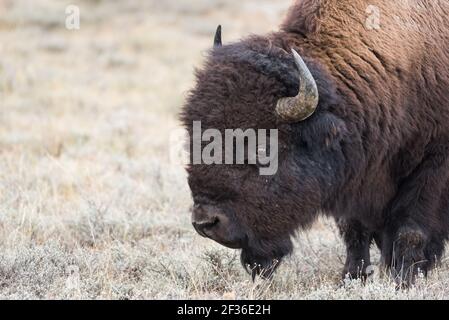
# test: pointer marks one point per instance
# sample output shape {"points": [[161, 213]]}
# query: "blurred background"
{"points": [[90, 204]]}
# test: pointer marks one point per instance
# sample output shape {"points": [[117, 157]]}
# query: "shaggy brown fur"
{"points": [[374, 155]]}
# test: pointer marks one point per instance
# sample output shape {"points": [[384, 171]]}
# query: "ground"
{"points": [[92, 204]]}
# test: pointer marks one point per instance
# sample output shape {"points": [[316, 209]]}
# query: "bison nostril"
{"points": [[201, 227], [208, 225]]}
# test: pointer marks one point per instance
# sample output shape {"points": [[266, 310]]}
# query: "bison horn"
{"points": [[217, 38], [294, 109]]}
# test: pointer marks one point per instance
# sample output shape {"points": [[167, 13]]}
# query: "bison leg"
{"points": [[410, 252], [404, 255], [357, 240], [415, 218]]}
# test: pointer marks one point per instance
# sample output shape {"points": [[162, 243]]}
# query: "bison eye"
{"points": [[206, 198], [252, 158], [303, 145]]}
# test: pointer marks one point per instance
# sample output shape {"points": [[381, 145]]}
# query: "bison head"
{"points": [[254, 84]]}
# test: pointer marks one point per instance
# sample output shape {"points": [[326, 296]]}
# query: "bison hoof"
{"points": [[357, 271]]}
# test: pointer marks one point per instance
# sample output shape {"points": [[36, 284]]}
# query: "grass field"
{"points": [[91, 206]]}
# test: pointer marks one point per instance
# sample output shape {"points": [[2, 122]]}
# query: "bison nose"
{"points": [[203, 219], [211, 222]]}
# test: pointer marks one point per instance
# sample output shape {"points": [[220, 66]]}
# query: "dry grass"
{"points": [[90, 205]]}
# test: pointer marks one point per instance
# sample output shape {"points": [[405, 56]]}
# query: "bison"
{"points": [[359, 93]]}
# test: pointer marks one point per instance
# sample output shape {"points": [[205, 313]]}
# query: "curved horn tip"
{"points": [[217, 38], [295, 53], [301, 107], [299, 61]]}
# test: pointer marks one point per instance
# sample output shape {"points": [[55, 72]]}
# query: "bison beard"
{"points": [[373, 155]]}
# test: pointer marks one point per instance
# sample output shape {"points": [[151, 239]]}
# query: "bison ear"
{"points": [[217, 38]]}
